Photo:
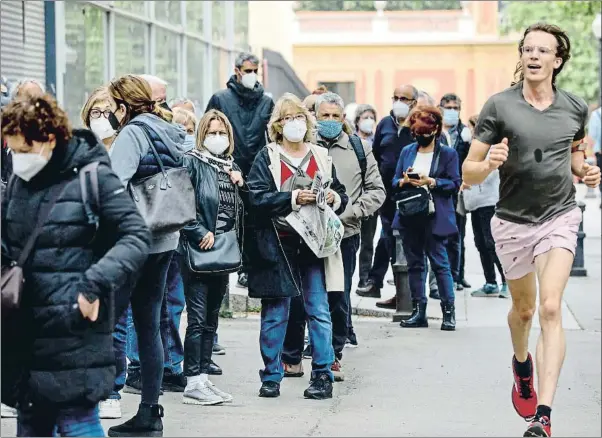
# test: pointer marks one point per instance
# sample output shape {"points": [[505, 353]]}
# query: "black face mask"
{"points": [[424, 140], [114, 122], [165, 106]]}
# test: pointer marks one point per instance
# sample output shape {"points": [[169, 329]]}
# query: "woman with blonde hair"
{"points": [[282, 266], [209, 250], [186, 120], [145, 134], [95, 115]]}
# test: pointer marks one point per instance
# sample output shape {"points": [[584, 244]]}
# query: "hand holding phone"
{"points": [[413, 175]]}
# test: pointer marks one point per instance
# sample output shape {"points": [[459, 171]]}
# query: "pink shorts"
{"points": [[517, 245]]}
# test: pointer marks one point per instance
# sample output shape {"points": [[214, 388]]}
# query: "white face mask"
{"points": [[26, 166], [366, 125], [216, 144], [295, 131], [102, 128], [400, 109], [249, 80], [466, 134]]}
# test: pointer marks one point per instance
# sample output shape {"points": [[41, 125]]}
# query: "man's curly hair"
{"points": [[36, 118]]}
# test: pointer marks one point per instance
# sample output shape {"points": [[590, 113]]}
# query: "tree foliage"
{"points": [[368, 5], [581, 74]]}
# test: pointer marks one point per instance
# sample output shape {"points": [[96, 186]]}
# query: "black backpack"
{"points": [[360, 153]]}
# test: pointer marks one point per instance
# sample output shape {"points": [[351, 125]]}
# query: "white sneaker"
{"points": [[227, 398], [110, 408], [8, 412], [201, 395]]}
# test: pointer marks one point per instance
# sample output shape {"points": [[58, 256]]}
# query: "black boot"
{"points": [[147, 422], [418, 317], [449, 316]]}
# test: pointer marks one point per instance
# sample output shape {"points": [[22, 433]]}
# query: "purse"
{"points": [[12, 278], [165, 200], [416, 202], [224, 256]]}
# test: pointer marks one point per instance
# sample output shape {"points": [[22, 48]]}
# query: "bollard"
{"points": [[403, 296], [578, 269]]}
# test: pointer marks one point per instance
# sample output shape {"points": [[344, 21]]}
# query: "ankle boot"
{"points": [[418, 317], [147, 422], [449, 316]]}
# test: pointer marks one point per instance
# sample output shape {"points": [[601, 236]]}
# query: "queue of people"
{"points": [[158, 207]]}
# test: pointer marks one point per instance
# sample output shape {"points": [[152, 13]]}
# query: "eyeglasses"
{"points": [[402, 98], [298, 117], [250, 70], [457, 108], [95, 113], [542, 50]]}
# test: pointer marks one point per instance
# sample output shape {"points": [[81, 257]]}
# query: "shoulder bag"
{"points": [[416, 202]]}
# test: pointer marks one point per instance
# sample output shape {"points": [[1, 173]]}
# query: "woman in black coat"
{"points": [[60, 354]]}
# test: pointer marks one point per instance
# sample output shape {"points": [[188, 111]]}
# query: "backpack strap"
{"points": [[360, 153], [88, 181]]}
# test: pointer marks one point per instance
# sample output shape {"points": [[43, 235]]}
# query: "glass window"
{"points": [[166, 59], [218, 22], [194, 17], [168, 11], [221, 68], [137, 7], [85, 56], [241, 24], [344, 89], [130, 46], [195, 58]]}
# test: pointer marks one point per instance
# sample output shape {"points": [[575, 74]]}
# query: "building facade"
{"points": [[75, 47]]}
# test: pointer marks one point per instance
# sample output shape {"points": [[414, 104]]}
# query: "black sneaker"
{"points": [[319, 388], [351, 340], [270, 390], [133, 384], [307, 353], [173, 382], [215, 370], [147, 422], [370, 291], [218, 350], [243, 281]]}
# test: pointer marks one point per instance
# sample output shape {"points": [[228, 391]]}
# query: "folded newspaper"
{"points": [[317, 224]]}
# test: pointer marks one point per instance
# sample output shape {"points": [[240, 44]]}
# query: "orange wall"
{"points": [[473, 71]]}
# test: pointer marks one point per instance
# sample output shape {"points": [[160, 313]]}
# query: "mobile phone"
{"points": [[413, 175]]}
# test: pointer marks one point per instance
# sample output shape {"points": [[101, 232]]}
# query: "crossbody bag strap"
{"points": [[43, 215]]}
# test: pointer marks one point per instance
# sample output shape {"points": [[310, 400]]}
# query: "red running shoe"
{"points": [[541, 426], [524, 397]]}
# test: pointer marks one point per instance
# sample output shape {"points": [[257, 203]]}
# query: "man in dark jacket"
{"points": [[389, 139], [248, 109], [456, 135]]}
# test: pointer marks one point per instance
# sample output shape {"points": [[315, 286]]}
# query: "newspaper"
{"points": [[317, 224]]}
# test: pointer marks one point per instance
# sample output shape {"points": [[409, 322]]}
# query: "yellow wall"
{"points": [[474, 71]]}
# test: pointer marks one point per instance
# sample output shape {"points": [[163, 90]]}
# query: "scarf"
{"points": [[221, 164]]}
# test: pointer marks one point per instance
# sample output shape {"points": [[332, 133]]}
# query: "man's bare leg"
{"points": [[553, 271], [520, 317]]}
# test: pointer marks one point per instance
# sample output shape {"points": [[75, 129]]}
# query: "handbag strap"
{"points": [[43, 214]]}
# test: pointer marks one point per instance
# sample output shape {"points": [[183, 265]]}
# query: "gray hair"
{"points": [[429, 99], [16, 87], [450, 97], [329, 97], [153, 79], [245, 56], [180, 101], [361, 109]]}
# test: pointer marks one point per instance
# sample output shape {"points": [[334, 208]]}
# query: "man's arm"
{"points": [[476, 166], [578, 158]]}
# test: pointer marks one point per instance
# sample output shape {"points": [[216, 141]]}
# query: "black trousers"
{"points": [[367, 233], [455, 249], [481, 227], [204, 294]]}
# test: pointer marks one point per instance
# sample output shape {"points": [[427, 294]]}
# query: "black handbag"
{"points": [[416, 202], [165, 200], [224, 256]]}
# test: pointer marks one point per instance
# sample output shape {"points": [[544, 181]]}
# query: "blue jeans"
{"points": [[274, 320], [48, 420], [418, 242]]}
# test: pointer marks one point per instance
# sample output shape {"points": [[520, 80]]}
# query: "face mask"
{"points": [[189, 142], [451, 117], [400, 109], [294, 131], [216, 144], [249, 80], [102, 128], [466, 134], [366, 125], [114, 121], [329, 129], [26, 166], [424, 140]]}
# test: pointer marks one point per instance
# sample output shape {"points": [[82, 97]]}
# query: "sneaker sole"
{"points": [[351, 345], [194, 401], [262, 395], [301, 374], [219, 353], [494, 295], [535, 431], [313, 397], [136, 434], [105, 416]]}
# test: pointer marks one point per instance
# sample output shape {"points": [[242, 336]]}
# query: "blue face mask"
{"points": [[189, 142], [329, 129], [451, 117]]}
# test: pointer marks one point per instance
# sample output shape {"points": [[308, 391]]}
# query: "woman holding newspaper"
{"points": [[285, 263]]}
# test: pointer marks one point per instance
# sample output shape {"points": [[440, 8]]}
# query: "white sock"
{"points": [[204, 378], [192, 382]]}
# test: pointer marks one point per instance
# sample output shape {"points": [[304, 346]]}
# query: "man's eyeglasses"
{"points": [[402, 99], [95, 113], [542, 50], [298, 117], [250, 70]]}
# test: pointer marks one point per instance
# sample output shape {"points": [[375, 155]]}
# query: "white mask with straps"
{"points": [[102, 128], [26, 166], [217, 144]]}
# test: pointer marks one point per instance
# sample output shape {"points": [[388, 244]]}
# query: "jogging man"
{"points": [[533, 132]]}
